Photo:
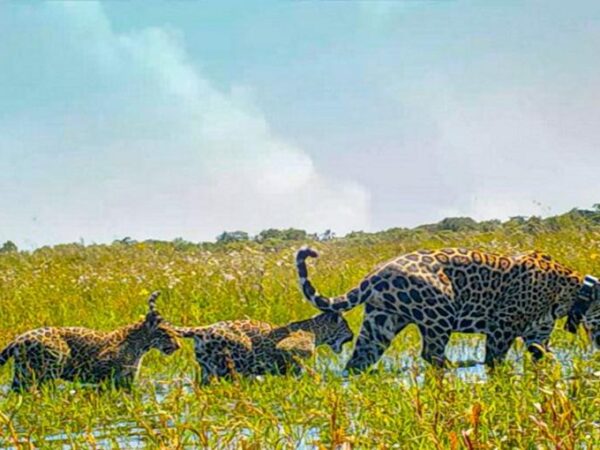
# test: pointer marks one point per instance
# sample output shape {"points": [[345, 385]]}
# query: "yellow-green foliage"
{"points": [[403, 404]]}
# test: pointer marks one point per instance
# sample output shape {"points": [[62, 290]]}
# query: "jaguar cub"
{"points": [[442, 291], [88, 356], [250, 347]]}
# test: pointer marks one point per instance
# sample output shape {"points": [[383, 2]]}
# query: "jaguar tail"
{"points": [[337, 304]]}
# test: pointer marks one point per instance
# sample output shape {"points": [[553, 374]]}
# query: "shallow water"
{"points": [[404, 366], [130, 436]]}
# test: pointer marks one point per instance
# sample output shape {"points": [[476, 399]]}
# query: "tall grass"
{"points": [[402, 404]]}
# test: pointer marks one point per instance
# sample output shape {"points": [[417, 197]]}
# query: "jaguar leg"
{"points": [[124, 382], [207, 369], [23, 378], [434, 345], [536, 341], [21, 382], [26, 379], [378, 329], [368, 351], [498, 343], [34, 369]]}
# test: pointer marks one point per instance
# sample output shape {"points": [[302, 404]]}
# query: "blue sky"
{"points": [[167, 119]]}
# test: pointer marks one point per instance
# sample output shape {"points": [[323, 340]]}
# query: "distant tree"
{"points": [[577, 213], [451, 224], [294, 234], [232, 236], [489, 225], [271, 233], [356, 235], [596, 207], [457, 224], [182, 244], [517, 219], [9, 247], [290, 234]]}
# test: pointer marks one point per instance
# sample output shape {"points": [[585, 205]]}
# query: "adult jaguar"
{"points": [[85, 355], [441, 291], [251, 347]]}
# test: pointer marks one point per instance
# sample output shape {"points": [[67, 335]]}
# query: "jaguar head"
{"points": [[335, 331], [586, 310]]}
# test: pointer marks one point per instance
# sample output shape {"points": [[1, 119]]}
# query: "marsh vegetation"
{"points": [[402, 404]]}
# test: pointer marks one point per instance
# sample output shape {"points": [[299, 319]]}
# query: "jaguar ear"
{"points": [[153, 319]]}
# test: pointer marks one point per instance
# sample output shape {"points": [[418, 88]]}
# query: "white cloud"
{"points": [[139, 142], [523, 151], [498, 149]]}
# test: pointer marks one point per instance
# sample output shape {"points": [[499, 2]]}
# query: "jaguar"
{"points": [[252, 347], [455, 290], [86, 355]]}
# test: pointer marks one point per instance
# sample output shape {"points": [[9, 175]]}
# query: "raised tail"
{"points": [[6, 354], [338, 304]]}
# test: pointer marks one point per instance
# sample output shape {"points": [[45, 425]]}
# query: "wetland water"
{"points": [[398, 367]]}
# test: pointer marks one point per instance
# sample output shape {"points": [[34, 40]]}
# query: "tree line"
{"points": [[532, 224]]}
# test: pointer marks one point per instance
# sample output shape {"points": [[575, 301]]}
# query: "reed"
{"points": [[402, 404]]}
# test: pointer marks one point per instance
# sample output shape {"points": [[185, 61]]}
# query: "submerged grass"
{"points": [[402, 404]]}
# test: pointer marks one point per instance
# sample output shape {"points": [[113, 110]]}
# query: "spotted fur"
{"points": [[442, 291], [250, 347], [85, 355]]}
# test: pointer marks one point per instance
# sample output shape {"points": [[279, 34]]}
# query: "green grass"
{"points": [[403, 404]]}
